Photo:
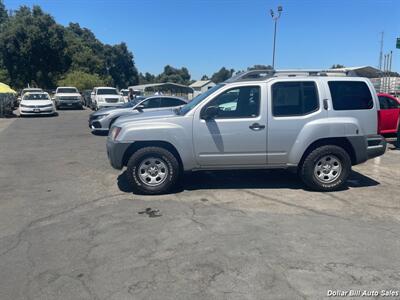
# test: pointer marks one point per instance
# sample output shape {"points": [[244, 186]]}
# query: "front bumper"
{"points": [[69, 103], [116, 152], [97, 124], [108, 105], [36, 111]]}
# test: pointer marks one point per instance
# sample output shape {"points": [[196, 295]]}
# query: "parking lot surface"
{"points": [[70, 226]]}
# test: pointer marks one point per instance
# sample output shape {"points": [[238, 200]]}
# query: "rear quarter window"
{"points": [[350, 95]]}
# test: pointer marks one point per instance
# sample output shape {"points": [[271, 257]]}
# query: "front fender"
{"points": [[178, 135]]}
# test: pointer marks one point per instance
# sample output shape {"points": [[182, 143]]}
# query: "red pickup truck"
{"points": [[388, 115]]}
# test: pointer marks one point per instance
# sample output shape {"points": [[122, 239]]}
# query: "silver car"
{"points": [[102, 119]]}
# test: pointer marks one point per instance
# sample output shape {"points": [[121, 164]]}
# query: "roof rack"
{"points": [[266, 74]]}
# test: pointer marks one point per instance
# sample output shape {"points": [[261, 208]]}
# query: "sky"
{"points": [[205, 35]]}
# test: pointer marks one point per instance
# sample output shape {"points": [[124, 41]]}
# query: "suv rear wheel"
{"points": [[152, 170], [326, 168]]}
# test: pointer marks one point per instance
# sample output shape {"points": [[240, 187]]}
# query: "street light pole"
{"points": [[275, 19]]}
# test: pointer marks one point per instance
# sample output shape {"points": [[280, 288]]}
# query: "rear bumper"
{"points": [[367, 147], [376, 146], [115, 153]]}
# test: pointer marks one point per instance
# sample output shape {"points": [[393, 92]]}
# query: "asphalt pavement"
{"points": [[71, 228]]}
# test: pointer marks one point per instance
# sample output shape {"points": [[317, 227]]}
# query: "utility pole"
{"points": [[390, 71], [380, 53], [275, 19]]}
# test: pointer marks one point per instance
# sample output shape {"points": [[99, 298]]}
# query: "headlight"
{"points": [[114, 133], [100, 99], [23, 105], [99, 116]]}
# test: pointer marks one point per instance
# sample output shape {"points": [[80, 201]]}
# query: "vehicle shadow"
{"points": [[38, 116], [247, 179], [99, 133]]}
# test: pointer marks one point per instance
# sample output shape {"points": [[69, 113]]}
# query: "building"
{"points": [[167, 88], [381, 81], [201, 86], [389, 85]]}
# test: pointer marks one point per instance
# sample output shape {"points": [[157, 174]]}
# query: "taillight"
{"points": [[379, 121]]}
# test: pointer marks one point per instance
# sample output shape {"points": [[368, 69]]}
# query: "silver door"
{"points": [[292, 105], [237, 136]]}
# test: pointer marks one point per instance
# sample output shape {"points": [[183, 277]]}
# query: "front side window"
{"points": [[350, 95], [241, 102], [387, 103], [294, 98]]}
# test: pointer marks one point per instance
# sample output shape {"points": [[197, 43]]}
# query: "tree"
{"points": [[81, 80], [146, 78], [3, 12], [222, 75], [32, 48], [120, 66], [204, 77], [174, 75], [337, 66]]}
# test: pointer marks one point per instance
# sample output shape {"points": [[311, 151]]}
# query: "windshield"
{"points": [[30, 91], [67, 91], [107, 92], [196, 100], [36, 97]]}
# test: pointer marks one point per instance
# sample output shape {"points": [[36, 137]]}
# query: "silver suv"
{"points": [[317, 122]]}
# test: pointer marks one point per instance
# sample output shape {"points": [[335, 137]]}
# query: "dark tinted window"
{"points": [[151, 103], [294, 98], [350, 95], [169, 102], [242, 102], [387, 103]]}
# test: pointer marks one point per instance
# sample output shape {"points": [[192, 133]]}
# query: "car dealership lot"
{"points": [[70, 228]]}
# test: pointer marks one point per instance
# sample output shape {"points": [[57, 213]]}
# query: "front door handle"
{"points": [[256, 126]]}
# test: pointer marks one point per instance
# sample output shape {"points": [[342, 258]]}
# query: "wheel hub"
{"points": [[153, 171], [327, 169]]}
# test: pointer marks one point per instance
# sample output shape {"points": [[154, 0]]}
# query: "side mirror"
{"points": [[140, 107], [210, 113]]}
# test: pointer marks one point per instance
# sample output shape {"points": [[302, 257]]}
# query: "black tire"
{"points": [[311, 176], [167, 159]]}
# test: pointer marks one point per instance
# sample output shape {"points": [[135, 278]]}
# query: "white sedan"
{"points": [[36, 103]]}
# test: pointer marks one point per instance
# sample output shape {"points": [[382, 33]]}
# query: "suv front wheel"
{"points": [[152, 170], [326, 168]]}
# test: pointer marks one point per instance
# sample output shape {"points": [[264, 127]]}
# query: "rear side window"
{"points": [[294, 98], [169, 102], [350, 95]]}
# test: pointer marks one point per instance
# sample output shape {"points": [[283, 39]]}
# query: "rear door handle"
{"points": [[256, 126]]}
